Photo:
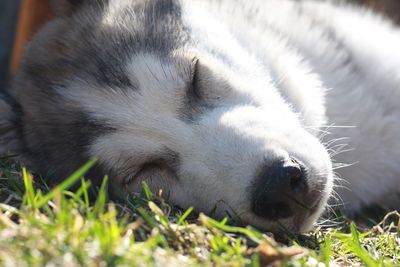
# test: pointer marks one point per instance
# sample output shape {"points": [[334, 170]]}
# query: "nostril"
{"points": [[296, 178], [295, 175]]}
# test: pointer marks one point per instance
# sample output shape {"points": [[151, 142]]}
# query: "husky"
{"points": [[239, 107]]}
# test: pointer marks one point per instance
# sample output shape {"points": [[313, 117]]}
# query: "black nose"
{"points": [[280, 187]]}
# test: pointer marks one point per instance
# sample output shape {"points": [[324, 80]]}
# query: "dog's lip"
{"points": [[314, 198], [300, 218], [297, 221], [316, 205]]}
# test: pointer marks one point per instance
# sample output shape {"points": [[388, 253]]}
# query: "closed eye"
{"points": [[167, 161], [193, 92]]}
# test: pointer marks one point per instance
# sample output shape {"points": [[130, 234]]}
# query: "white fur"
{"points": [[364, 94], [294, 70]]}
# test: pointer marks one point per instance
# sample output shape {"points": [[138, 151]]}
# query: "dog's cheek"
{"points": [[161, 180]]}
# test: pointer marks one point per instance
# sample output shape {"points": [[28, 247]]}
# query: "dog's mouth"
{"points": [[296, 223], [302, 218]]}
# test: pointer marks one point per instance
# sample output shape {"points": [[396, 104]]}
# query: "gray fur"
{"points": [[60, 52], [196, 97]]}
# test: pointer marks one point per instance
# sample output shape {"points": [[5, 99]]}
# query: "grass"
{"points": [[40, 226]]}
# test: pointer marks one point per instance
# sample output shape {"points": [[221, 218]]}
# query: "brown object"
{"points": [[388, 7], [273, 255], [32, 15]]}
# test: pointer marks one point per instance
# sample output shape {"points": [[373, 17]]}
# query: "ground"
{"points": [[40, 226]]}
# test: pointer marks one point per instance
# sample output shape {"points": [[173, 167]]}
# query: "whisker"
{"points": [[343, 165], [330, 142]]}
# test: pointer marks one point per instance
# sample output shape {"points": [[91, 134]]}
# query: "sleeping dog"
{"points": [[247, 107]]}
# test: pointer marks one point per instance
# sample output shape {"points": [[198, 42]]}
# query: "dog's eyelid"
{"points": [[194, 70], [193, 66], [193, 86]]}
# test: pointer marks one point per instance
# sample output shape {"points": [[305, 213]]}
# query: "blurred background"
{"points": [[20, 19]]}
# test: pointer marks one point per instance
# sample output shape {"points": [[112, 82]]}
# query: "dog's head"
{"points": [[159, 96]]}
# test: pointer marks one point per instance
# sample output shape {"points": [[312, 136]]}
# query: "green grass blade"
{"points": [[102, 197], [147, 191], [29, 190], [356, 248], [185, 215]]}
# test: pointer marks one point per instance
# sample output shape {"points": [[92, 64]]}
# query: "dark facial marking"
{"points": [[110, 72], [60, 145], [56, 133]]}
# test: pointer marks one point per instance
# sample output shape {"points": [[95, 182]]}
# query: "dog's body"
{"points": [[210, 100]]}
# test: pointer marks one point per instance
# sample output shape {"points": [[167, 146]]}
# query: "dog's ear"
{"points": [[65, 7], [9, 138]]}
